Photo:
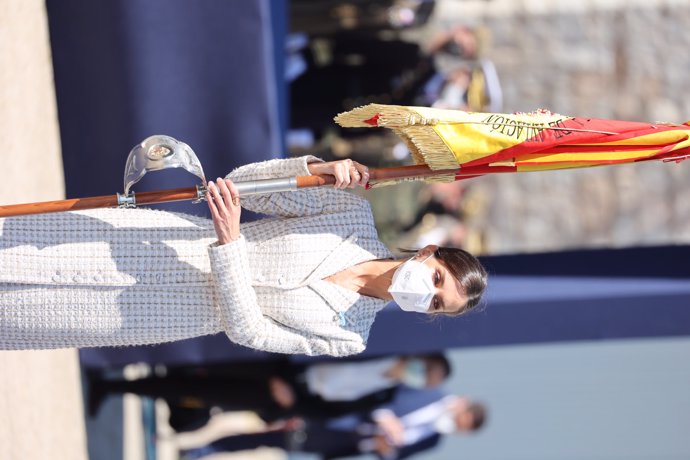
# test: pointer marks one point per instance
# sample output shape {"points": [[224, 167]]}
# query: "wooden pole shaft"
{"points": [[190, 193], [105, 201], [166, 196], [43, 207], [378, 174]]}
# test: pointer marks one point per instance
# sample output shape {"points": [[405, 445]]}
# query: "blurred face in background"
{"points": [[421, 372], [464, 421], [435, 373], [468, 416]]}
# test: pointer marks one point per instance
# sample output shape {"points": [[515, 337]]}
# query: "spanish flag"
{"points": [[475, 144]]}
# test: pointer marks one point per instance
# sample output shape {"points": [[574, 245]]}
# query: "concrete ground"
{"points": [[40, 393]]}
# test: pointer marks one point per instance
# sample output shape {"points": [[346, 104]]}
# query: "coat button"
{"points": [[340, 319]]}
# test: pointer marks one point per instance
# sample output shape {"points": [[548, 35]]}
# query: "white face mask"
{"points": [[413, 286], [445, 424], [415, 373]]}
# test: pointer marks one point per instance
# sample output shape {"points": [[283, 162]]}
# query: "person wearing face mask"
{"points": [[310, 279], [281, 389], [323, 390], [414, 421]]}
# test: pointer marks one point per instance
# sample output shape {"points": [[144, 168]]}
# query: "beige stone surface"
{"points": [[29, 137], [40, 394], [614, 59], [41, 405]]}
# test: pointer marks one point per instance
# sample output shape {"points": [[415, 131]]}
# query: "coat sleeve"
{"points": [[243, 320], [305, 202]]}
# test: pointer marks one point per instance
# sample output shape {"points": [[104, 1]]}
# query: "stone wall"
{"points": [[608, 59]]}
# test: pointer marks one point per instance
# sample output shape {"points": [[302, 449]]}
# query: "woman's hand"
{"points": [[224, 202], [347, 173], [392, 428], [281, 392]]}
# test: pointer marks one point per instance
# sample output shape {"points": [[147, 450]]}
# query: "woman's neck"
{"points": [[373, 278]]}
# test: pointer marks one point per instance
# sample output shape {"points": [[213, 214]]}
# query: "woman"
{"points": [[308, 280]]}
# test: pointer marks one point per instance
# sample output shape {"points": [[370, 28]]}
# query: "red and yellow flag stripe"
{"points": [[482, 143]]}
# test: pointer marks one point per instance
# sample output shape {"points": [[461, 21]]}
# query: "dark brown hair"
{"points": [[468, 271], [438, 358]]}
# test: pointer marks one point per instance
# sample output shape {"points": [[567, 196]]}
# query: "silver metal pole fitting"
{"points": [[200, 193], [126, 200], [256, 187]]}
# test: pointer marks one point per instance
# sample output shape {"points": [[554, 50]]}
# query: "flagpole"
{"points": [[104, 201], [411, 172]]}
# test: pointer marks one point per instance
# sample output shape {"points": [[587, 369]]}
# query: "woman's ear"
{"points": [[427, 250]]}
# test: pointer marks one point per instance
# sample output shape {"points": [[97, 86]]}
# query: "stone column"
{"points": [[40, 391]]}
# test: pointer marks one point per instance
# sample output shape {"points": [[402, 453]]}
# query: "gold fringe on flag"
{"points": [[414, 125], [427, 179]]}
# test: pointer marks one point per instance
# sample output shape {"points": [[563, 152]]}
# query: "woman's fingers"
{"points": [[211, 201], [229, 192], [224, 192], [345, 170], [223, 198], [356, 177], [363, 173], [234, 193], [339, 172], [224, 195], [353, 174], [347, 173], [345, 179], [216, 200]]}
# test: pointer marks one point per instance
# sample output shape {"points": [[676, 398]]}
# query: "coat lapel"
{"points": [[338, 297], [341, 257], [345, 255]]}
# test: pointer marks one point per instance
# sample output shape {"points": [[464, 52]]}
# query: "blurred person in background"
{"points": [[460, 41], [328, 17], [415, 421], [441, 198], [447, 91], [439, 218], [435, 228], [455, 53], [340, 71], [346, 71], [278, 389]]}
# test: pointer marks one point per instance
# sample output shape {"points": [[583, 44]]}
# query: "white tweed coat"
{"points": [[138, 276]]}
